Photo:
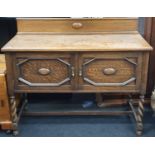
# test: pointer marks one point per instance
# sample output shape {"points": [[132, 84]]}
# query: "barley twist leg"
{"points": [[140, 113], [14, 115]]}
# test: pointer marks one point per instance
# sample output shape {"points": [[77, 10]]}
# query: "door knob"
{"points": [[77, 25]]}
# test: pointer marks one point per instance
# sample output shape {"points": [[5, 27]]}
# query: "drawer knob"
{"points": [[77, 25], [109, 71], [44, 71]]}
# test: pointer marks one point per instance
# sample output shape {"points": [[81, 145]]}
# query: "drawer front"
{"points": [[111, 71], [44, 72]]}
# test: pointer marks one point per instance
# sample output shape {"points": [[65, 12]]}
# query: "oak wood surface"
{"points": [[63, 36], [125, 70], [93, 42], [2, 64], [48, 38], [76, 84], [55, 62], [88, 47], [4, 100], [67, 24], [5, 108]]}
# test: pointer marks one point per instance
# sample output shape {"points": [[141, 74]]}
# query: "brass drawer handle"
{"points": [[44, 71], [109, 71], [77, 25]]}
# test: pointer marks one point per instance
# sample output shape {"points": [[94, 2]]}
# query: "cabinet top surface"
{"points": [[79, 42]]}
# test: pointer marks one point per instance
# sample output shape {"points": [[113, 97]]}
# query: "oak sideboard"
{"points": [[78, 55]]}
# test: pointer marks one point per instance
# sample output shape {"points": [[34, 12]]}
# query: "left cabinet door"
{"points": [[44, 72]]}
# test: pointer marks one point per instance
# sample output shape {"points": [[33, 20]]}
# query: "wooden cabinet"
{"points": [[100, 55]]}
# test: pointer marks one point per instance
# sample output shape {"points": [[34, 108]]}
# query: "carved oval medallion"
{"points": [[77, 25], [109, 71], [44, 71]]}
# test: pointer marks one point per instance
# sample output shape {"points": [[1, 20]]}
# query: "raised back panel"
{"points": [[76, 25]]}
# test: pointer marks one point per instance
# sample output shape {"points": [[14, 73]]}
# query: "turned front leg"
{"points": [[14, 116], [140, 113]]}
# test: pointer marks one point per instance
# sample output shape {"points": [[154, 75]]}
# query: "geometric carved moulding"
{"points": [[44, 72], [109, 71]]}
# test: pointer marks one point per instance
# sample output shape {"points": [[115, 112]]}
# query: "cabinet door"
{"points": [[45, 72], [110, 71]]}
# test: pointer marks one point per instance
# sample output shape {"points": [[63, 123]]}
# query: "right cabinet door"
{"points": [[110, 71]]}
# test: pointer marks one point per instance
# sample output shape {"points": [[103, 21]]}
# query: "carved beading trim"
{"points": [[43, 84], [81, 73], [110, 84], [71, 74]]}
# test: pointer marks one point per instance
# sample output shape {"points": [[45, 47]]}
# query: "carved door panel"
{"points": [[44, 72], [110, 71]]}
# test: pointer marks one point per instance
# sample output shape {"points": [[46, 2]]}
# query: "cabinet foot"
{"points": [[15, 133], [14, 115], [8, 131], [139, 119], [138, 133], [138, 114]]}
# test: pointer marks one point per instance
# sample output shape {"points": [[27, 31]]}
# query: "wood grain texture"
{"points": [[94, 71], [144, 75], [111, 38], [105, 56], [55, 63], [58, 71], [2, 64], [5, 109], [125, 70], [67, 24], [10, 73], [4, 102], [96, 42]]}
